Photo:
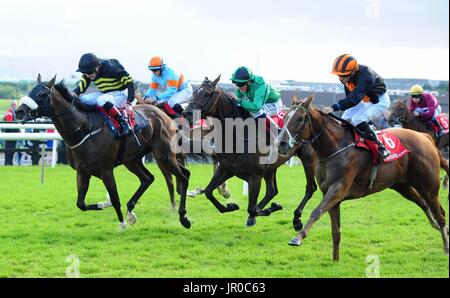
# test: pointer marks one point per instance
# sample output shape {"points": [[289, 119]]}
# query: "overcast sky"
{"points": [[279, 39]]}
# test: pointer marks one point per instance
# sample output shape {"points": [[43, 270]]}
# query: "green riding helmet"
{"points": [[242, 74]]}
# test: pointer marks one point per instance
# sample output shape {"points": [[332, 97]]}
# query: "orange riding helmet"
{"points": [[156, 63], [344, 65]]}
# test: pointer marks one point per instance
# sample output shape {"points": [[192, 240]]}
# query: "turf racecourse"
{"points": [[40, 226]]}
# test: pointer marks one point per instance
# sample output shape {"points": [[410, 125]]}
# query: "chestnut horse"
{"points": [[344, 170], [92, 149]]}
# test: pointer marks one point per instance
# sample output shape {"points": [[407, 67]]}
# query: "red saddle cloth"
{"points": [[128, 114], [443, 121], [390, 142], [277, 119]]}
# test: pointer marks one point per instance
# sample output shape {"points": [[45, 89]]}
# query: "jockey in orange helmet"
{"points": [[177, 89], [366, 98]]}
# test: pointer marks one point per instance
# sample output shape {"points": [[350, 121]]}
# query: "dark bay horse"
{"points": [[213, 102], [401, 114], [223, 188], [92, 149], [344, 170]]}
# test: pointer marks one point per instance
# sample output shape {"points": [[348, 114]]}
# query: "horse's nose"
{"points": [[20, 115]]}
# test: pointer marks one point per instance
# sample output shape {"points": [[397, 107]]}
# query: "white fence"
{"points": [[32, 136]]}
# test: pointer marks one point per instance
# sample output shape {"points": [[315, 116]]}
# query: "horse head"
{"points": [[399, 113], [203, 100], [297, 125], [38, 101]]}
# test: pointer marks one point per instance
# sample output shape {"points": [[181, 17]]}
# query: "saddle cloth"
{"points": [[443, 121], [390, 142]]}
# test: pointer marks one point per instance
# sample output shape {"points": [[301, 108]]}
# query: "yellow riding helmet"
{"points": [[416, 90]]}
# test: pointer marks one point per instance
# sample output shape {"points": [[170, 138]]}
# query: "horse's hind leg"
{"points": [[109, 181], [146, 178], [429, 190], [271, 192], [410, 193], [182, 174], [168, 177], [82, 188]]}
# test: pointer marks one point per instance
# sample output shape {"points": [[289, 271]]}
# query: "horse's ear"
{"points": [[214, 83], [51, 82], [308, 100], [39, 79], [294, 99]]}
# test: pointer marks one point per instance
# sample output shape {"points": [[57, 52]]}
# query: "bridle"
{"points": [[297, 139]]}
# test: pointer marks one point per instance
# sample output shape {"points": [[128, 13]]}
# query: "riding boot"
{"points": [[114, 113], [438, 125], [178, 109], [171, 111], [368, 133]]}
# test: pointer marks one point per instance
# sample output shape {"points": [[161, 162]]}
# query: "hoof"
{"points": [[122, 226], [295, 242], [251, 221], [226, 194], [131, 218], [275, 207], [232, 207], [103, 205], [185, 222]]}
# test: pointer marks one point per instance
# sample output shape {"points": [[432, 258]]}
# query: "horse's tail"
{"points": [[444, 165]]}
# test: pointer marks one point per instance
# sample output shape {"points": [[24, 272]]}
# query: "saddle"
{"points": [[390, 141], [136, 121]]}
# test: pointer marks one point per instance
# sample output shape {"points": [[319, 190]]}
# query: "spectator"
{"points": [[10, 146]]}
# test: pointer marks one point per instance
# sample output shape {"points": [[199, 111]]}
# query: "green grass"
{"points": [[41, 226]]}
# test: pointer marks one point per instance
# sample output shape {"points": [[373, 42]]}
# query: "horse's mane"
{"points": [[70, 96], [62, 89]]}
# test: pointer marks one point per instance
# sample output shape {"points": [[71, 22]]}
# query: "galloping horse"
{"points": [[92, 149], [212, 101], [344, 170], [401, 114], [223, 188]]}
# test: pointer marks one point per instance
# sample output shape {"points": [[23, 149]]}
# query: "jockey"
{"points": [[366, 98], [115, 85], [177, 89], [255, 95], [426, 107]]}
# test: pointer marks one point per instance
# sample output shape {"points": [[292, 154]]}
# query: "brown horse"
{"points": [[344, 170], [223, 188], [92, 149], [212, 101], [401, 114]]}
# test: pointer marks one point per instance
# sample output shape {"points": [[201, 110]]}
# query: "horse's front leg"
{"points": [[333, 196], [254, 186], [109, 181], [309, 161], [220, 176], [82, 188]]}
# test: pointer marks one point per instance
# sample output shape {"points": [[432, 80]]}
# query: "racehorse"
{"points": [[93, 150], [344, 170], [223, 188], [401, 114], [211, 101]]}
